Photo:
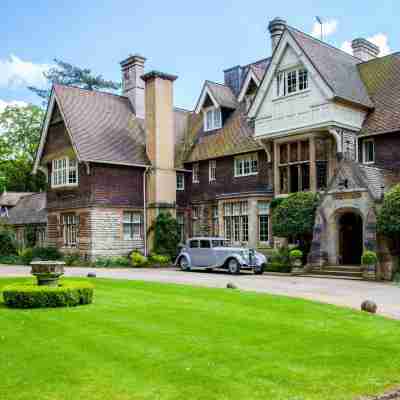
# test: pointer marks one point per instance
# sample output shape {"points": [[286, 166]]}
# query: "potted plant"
{"points": [[369, 260], [296, 257]]}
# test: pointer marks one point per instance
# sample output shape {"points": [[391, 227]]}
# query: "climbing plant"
{"points": [[166, 235]]}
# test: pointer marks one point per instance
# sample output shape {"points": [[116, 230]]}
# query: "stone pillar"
{"points": [[317, 256], [313, 167], [253, 222]]}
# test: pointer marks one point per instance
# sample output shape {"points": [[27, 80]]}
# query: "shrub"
{"points": [[46, 253], [11, 260], [102, 262], [7, 243], [138, 260], [279, 261], [388, 218], [26, 255], [73, 259], [166, 235], [120, 261], [67, 294], [296, 254], [369, 258], [159, 259], [294, 216]]}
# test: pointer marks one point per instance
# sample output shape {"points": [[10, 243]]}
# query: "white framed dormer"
{"points": [[212, 118], [64, 172], [368, 151]]}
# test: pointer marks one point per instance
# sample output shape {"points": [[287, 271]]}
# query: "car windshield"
{"points": [[218, 243]]}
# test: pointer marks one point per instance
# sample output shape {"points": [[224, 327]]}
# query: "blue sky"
{"points": [[194, 40]]}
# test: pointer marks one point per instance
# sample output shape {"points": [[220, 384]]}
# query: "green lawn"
{"points": [[153, 341]]}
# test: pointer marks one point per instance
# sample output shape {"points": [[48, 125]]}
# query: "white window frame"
{"points": [[264, 210], [365, 153], [212, 170], [282, 81], [236, 221], [212, 118], [244, 165], [180, 182], [64, 172], [70, 227], [195, 173], [134, 221]]}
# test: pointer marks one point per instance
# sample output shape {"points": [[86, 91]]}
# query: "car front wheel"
{"points": [[233, 266], [184, 264], [259, 269]]}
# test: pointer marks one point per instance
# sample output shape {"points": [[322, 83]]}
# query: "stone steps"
{"points": [[338, 271]]}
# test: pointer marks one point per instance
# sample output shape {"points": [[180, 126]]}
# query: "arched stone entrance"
{"points": [[350, 231]]}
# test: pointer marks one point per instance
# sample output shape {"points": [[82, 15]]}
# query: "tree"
{"points": [[166, 235], [294, 217], [68, 74], [388, 218], [20, 129]]}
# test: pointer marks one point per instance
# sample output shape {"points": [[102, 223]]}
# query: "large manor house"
{"points": [[309, 117]]}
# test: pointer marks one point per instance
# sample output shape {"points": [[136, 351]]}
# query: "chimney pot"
{"points": [[132, 83], [276, 28], [364, 49]]}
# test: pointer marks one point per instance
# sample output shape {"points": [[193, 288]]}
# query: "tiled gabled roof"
{"points": [[338, 69], [235, 137], [30, 209], [381, 77], [11, 199], [102, 125], [222, 94]]}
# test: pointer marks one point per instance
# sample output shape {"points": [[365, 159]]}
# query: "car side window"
{"points": [[217, 243], [194, 244], [205, 244]]}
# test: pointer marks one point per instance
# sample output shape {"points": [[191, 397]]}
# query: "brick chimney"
{"points": [[364, 49], [276, 28], [160, 138], [132, 83]]}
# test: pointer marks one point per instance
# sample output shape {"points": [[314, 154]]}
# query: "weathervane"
{"points": [[319, 20]]}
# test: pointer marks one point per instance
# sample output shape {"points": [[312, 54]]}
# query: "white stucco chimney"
{"points": [[364, 49], [276, 28], [133, 84]]}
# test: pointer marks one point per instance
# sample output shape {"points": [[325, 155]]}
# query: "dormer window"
{"points": [[212, 119], [289, 82]]}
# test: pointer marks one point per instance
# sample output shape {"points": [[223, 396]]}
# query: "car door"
{"points": [[206, 253], [194, 252]]}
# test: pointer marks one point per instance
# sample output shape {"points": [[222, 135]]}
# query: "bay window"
{"points": [[236, 222], [132, 225], [64, 172]]}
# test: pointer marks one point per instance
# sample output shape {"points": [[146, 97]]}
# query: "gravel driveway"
{"points": [[335, 291]]}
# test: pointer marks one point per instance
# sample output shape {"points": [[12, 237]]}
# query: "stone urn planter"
{"points": [[369, 261], [296, 262], [47, 272]]}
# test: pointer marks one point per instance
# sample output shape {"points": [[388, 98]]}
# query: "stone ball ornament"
{"points": [[369, 306]]}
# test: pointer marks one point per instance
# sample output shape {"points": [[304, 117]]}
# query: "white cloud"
{"points": [[380, 39], [15, 72], [4, 104], [328, 28]]}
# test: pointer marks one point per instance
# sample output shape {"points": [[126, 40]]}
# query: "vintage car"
{"points": [[212, 252]]}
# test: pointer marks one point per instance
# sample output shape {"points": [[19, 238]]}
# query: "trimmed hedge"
{"points": [[67, 294]]}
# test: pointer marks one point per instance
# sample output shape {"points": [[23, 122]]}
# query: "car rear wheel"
{"points": [[184, 264], [259, 269], [233, 266]]}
